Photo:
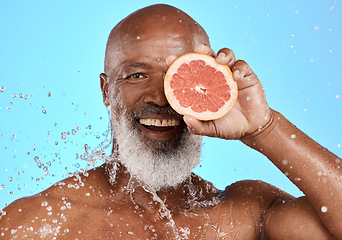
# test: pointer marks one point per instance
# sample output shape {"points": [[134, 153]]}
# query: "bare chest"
{"points": [[220, 222]]}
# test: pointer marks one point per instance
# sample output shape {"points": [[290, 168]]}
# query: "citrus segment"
{"points": [[196, 85]]}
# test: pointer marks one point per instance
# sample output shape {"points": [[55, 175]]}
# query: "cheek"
{"points": [[129, 97]]}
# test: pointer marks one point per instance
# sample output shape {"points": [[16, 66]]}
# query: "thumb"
{"points": [[195, 126]]}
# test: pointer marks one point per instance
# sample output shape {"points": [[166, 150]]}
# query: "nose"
{"points": [[155, 92]]}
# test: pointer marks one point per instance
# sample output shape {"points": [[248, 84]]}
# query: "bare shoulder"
{"points": [[42, 213], [249, 190], [281, 216], [242, 208]]}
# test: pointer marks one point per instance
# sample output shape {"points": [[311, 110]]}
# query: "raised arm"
{"points": [[312, 168]]}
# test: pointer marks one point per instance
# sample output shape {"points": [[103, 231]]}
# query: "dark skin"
{"points": [[246, 210]]}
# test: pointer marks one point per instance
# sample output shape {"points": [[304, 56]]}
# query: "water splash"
{"points": [[164, 212]]}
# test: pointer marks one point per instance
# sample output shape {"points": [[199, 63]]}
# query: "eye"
{"points": [[136, 76]]}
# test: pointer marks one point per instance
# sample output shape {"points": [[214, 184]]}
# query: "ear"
{"points": [[104, 87]]}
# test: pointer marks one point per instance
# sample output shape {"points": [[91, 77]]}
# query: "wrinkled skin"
{"points": [[134, 70]]}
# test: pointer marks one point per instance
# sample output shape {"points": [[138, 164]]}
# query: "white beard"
{"points": [[158, 165]]}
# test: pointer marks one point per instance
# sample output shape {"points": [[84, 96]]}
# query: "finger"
{"points": [[226, 57], [194, 126], [170, 59], [243, 74], [204, 49]]}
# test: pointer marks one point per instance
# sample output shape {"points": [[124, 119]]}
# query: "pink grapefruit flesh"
{"points": [[196, 85]]}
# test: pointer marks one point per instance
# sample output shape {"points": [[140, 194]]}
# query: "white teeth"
{"points": [[160, 122]]}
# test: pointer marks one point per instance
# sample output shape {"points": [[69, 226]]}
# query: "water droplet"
{"points": [[293, 136], [73, 132], [10, 179], [49, 94], [13, 137], [64, 135], [14, 95], [324, 209], [285, 162], [338, 96], [2, 89], [44, 111], [77, 165], [44, 204]]}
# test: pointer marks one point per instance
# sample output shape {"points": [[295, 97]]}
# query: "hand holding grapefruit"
{"points": [[250, 112], [196, 85]]}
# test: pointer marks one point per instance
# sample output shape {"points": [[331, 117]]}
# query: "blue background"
{"points": [[51, 54]]}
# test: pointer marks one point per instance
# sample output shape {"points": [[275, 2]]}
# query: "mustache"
{"points": [[155, 110]]}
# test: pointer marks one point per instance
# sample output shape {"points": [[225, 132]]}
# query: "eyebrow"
{"points": [[136, 64]]}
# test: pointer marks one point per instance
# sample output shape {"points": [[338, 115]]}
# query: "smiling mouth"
{"points": [[163, 123], [160, 129]]}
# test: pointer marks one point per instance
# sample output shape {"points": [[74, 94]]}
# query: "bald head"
{"points": [[160, 24]]}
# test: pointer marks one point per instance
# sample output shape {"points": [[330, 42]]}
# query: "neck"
{"points": [[188, 195]]}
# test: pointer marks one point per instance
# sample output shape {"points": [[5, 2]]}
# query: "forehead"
{"points": [[153, 33], [158, 45], [151, 47]]}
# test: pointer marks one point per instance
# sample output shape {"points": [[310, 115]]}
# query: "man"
{"points": [[146, 190]]}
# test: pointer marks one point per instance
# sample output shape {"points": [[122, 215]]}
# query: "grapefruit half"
{"points": [[196, 85]]}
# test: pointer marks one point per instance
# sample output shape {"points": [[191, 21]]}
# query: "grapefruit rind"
{"points": [[206, 115]]}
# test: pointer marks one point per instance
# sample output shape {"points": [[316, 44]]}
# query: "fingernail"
{"points": [[221, 55], [236, 74]]}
